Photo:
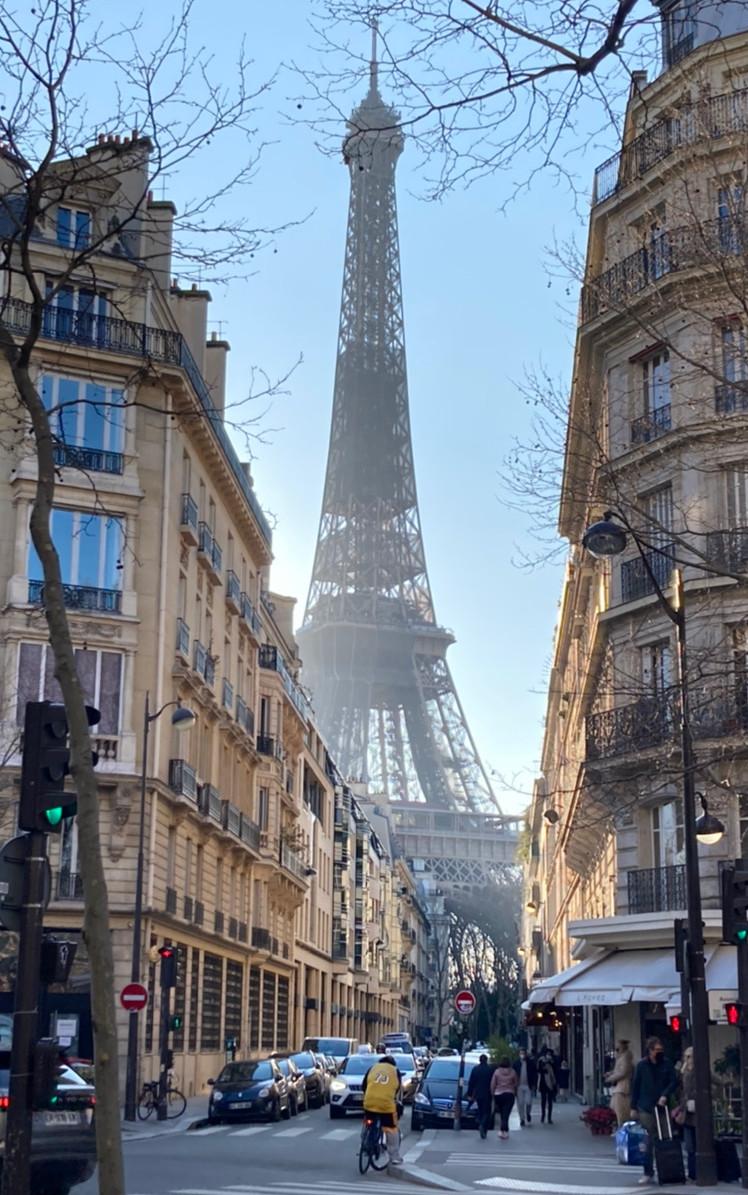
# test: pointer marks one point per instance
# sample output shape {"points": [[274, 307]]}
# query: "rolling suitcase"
{"points": [[668, 1152]]}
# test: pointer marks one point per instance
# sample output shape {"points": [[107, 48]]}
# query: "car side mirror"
{"points": [[211, 1082]]}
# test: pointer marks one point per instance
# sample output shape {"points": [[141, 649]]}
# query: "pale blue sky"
{"points": [[478, 310]]}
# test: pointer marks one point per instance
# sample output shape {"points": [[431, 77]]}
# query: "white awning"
{"points": [[722, 970], [547, 991]]}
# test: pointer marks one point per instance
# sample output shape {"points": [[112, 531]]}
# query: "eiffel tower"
{"points": [[374, 654]]}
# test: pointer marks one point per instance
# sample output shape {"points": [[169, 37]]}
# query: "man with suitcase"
{"points": [[654, 1080]]}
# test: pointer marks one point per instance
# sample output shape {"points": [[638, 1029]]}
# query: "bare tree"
{"points": [[53, 152]]}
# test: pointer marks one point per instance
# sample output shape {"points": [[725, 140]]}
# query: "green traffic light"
{"points": [[54, 816], [742, 934]]}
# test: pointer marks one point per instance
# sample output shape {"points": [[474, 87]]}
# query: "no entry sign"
{"points": [[133, 997], [465, 1002]]}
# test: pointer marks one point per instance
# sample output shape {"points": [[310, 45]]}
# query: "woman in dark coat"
{"points": [[547, 1086]]}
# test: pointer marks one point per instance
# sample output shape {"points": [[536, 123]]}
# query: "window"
{"points": [[188, 853], [657, 249], [656, 669], [678, 31], [171, 856], [219, 885], [69, 857], [194, 998], [100, 674], [234, 985], [89, 547], [210, 1029], [254, 1007], [733, 352], [658, 507], [742, 824], [86, 415], [73, 228], [668, 838], [267, 1041], [75, 313], [199, 870], [656, 382], [263, 808]]}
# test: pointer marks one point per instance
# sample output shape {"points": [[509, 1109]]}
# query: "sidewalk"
{"points": [[137, 1130], [559, 1159]]}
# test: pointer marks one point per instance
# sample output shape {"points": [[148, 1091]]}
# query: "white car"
{"points": [[346, 1091]]}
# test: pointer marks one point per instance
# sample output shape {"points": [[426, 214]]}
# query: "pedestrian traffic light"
{"points": [[175, 1022], [168, 966], [56, 960], [45, 1073], [45, 802], [735, 903], [734, 1013], [676, 1022]]}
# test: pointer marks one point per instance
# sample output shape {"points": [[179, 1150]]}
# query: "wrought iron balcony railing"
{"points": [[232, 818], [292, 862], [126, 338], [171, 900], [183, 638], [228, 694], [261, 937], [183, 778], [650, 426], [716, 711], [209, 803], [657, 889], [90, 460], [250, 615], [635, 579], [267, 745], [250, 832], [245, 716], [271, 658], [189, 515], [712, 117], [687, 247], [207, 545], [730, 397], [80, 597], [728, 550], [233, 591]]}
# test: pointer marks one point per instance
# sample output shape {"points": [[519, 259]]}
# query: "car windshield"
{"points": [[283, 1064], [241, 1072], [447, 1068], [305, 1061], [71, 1078], [329, 1045], [358, 1064]]}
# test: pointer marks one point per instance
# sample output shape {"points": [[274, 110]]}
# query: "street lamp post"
{"points": [[181, 719], [609, 538]]}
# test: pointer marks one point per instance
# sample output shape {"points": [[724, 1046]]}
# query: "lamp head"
{"points": [[183, 718], [604, 538], [709, 829], [551, 816]]}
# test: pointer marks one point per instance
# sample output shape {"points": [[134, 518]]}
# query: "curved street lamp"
{"points": [[709, 829], [605, 538], [182, 719]]}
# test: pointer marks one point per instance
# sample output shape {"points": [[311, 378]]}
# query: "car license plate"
{"points": [[447, 1115], [236, 1107], [62, 1117], [357, 1097]]}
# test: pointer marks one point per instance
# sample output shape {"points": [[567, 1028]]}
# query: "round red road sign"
{"points": [[465, 1002], [133, 997]]}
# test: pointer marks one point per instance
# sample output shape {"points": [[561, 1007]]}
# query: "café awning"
{"points": [[618, 977]]}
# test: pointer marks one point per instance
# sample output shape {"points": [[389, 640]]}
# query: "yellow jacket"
{"points": [[382, 1083]]}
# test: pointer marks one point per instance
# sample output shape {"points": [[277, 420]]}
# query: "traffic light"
{"points": [[734, 1014], [676, 1022], [176, 1022], [56, 960], [46, 1070], [46, 762], [735, 903], [168, 966]]}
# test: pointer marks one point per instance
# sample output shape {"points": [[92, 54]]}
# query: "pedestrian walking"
{"points": [[563, 1081], [685, 1112], [619, 1081], [547, 1086], [479, 1092], [503, 1090], [526, 1071], [654, 1080]]}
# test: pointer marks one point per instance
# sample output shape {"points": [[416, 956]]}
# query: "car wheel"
{"points": [[416, 1123], [336, 1113]]}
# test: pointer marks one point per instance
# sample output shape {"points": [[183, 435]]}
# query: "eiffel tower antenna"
{"points": [[373, 65], [374, 654]]}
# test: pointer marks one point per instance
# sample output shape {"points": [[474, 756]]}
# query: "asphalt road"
{"points": [[289, 1158]]}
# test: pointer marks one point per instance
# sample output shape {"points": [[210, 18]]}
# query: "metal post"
{"points": [[457, 1126], [163, 1076], [742, 948], [16, 1175], [131, 1081], [706, 1169]]}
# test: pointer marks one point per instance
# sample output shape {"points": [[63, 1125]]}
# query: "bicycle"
{"points": [[373, 1151], [149, 1098]]}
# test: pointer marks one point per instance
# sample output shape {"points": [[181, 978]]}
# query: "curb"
{"points": [[135, 1135], [425, 1178]]}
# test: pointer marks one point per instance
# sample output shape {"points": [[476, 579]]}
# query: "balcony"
{"points": [[272, 659], [233, 592], [199, 913], [250, 833], [218, 922], [227, 694], [188, 520], [657, 889], [635, 579], [249, 615], [69, 886], [90, 460], [267, 745], [183, 779], [728, 550], [170, 903], [209, 552], [648, 427], [730, 397], [245, 716], [80, 597], [261, 938], [189, 908], [716, 711], [293, 862], [183, 639], [232, 819], [233, 927], [714, 116], [209, 803], [690, 246], [243, 932], [203, 663]]}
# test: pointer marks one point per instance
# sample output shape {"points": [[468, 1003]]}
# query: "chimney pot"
{"points": [[135, 134], [150, 196], [117, 139], [101, 138], [214, 335], [194, 286]]}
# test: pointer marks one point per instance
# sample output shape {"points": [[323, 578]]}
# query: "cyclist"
{"points": [[381, 1088]]}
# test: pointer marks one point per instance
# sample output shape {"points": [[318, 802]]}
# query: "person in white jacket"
{"points": [[619, 1082]]}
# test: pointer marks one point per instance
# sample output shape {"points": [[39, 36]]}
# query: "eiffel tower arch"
{"points": [[374, 653]]}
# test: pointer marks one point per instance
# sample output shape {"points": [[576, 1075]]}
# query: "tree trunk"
{"points": [[96, 904]]}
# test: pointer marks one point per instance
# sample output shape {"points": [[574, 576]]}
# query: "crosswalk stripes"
{"points": [[298, 1130], [363, 1185]]}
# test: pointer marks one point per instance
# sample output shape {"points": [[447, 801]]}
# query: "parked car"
{"points": [[295, 1081], [346, 1091], [331, 1065], [337, 1047], [249, 1089], [436, 1095], [396, 1041], [446, 1052], [316, 1078], [63, 1143]]}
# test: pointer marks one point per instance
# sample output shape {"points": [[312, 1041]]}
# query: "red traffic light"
{"points": [[732, 1012], [676, 1023], [166, 951]]}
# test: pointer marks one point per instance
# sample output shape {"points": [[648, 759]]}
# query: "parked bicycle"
{"points": [[149, 1097], [373, 1151]]}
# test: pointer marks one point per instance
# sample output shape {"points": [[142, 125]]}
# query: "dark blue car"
{"points": [[245, 1090]]}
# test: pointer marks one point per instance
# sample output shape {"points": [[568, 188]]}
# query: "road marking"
{"points": [[536, 1188], [337, 1134], [295, 1131], [250, 1132], [214, 1128]]}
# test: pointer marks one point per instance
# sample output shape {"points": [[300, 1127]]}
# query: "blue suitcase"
{"points": [[631, 1144]]}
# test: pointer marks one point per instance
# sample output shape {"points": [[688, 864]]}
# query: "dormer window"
{"points": [[678, 29], [73, 228]]}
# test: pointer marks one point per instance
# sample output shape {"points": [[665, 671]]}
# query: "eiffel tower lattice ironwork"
{"points": [[374, 655]]}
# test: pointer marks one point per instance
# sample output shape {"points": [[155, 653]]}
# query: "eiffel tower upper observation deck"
{"points": [[374, 655]]}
